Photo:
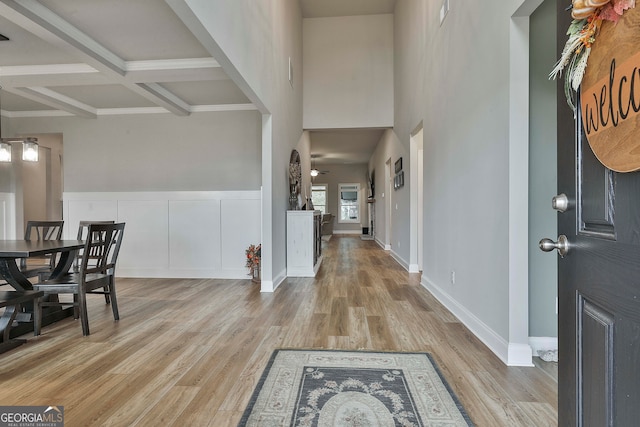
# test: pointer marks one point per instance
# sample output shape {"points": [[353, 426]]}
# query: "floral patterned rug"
{"points": [[352, 388]]}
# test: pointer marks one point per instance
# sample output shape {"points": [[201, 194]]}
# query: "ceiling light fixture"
{"points": [[314, 172], [5, 152], [29, 145], [30, 150]]}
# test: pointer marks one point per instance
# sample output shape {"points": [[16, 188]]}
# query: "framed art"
{"points": [[398, 165]]}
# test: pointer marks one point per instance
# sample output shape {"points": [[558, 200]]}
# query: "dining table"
{"points": [[11, 251]]}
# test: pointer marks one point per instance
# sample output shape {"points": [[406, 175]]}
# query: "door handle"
{"points": [[562, 245], [560, 202]]}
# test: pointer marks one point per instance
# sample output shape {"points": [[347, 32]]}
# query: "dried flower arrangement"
{"points": [[253, 253], [587, 19]]}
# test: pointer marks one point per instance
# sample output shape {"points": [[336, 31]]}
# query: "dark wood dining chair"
{"points": [[83, 227], [96, 275], [40, 230]]}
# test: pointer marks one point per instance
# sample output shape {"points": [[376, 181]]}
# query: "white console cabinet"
{"points": [[304, 243]]}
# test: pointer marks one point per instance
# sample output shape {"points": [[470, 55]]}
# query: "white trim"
{"points": [[519, 355], [171, 64], [543, 343], [416, 146], [358, 203], [303, 271], [512, 354], [162, 195], [38, 70], [222, 107], [272, 285], [352, 232], [36, 113], [399, 260], [130, 111], [518, 193], [8, 215]]}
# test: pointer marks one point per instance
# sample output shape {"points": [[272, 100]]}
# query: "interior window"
{"points": [[319, 197], [349, 203]]}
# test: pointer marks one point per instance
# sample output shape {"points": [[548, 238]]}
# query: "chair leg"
{"points": [[76, 312], [114, 301], [107, 299], [82, 308], [37, 316]]}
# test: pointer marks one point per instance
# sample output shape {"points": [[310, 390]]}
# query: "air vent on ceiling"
{"points": [[3, 38]]}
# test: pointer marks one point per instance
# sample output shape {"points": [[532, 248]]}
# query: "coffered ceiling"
{"points": [[90, 58]]}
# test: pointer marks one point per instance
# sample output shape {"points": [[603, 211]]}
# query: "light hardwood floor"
{"points": [[189, 352]]}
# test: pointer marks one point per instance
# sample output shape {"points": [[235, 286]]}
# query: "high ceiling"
{"points": [[91, 58]]}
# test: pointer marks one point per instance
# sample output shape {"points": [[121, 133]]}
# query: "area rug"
{"points": [[328, 388]]}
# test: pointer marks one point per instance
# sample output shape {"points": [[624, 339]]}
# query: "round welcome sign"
{"points": [[610, 94]]}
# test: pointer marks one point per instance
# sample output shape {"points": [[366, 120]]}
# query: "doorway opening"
{"points": [[416, 146], [388, 174], [35, 189]]}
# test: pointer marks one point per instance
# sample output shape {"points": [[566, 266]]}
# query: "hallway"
{"points": [[189, 352]]}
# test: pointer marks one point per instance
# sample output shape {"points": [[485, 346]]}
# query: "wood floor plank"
{"points": [[191, 351]]}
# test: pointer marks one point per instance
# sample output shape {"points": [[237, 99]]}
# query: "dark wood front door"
{"points": [[598, 281]]}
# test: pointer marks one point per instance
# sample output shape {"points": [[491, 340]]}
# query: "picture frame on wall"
{"points": [[398, 165], [398, 180]]}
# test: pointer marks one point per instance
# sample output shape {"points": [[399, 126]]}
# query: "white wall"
{"points": [[543, 269], [455, 78], [389, 147], [157, 152], [348, 69], [255, 41]]}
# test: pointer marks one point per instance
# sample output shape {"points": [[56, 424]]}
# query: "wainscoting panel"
{"points": [[7, 216], [87, 210], [175, 234], [146, 244], [194, 234], [236, 216]]}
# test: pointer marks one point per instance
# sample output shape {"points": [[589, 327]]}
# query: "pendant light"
{"points": [[30, 150], [5, 152], [29, 145]]}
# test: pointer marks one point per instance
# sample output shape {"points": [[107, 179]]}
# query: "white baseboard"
{"points": [[519, 355], [352, 232], [413, 268], [399, 260], [543, 343], [511, 354], [272, 285]]}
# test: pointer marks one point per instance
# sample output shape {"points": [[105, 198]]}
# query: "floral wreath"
{"points": [[587, 20]]}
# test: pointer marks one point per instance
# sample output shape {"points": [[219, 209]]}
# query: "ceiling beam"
{"points": [[56, 100], [37, 19]]}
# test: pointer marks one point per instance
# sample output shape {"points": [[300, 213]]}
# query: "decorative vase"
{"points": [[255, 274]]}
